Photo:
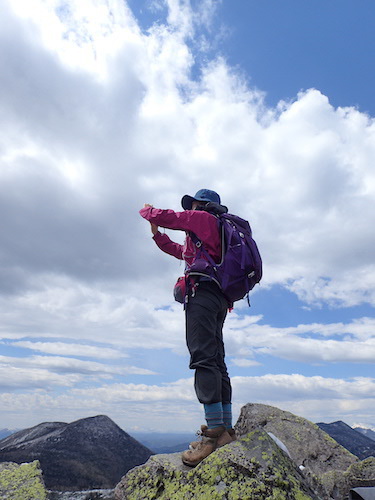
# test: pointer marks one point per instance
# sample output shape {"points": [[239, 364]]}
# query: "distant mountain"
{"points": [[160, 442], [352, 440], [5, 433], [366, 432], [89, 453]]}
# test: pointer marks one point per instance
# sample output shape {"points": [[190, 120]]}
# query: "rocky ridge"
{"points": [[255, 467], [356, 442], [370, 433]]}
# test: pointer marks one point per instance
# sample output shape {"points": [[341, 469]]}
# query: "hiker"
{"points": [[205, 311]]}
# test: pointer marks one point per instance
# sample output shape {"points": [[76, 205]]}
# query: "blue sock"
{"points": [[227, 415], [214, 415]]}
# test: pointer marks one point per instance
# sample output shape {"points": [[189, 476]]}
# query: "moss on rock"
{"points": [[21, 482]]}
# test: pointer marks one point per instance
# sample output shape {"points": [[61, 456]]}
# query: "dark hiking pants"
{"points": [[205, 315]]}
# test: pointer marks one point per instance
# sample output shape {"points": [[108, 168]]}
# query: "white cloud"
{"points": [[98, 118], [282, 387], [62, 348], [64, 309], [83, 33], [351, 343], [99, 144], [83, 314], [244, 363], [36, 365], [181, 390], [155, 406], [365, 426], [13, 378]]}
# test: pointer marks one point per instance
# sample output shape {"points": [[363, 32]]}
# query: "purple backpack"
{"points": [[240, 268]]}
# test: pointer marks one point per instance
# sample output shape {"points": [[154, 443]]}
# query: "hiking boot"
{"points": [[232, 434], [222, 440], [206, 446]]}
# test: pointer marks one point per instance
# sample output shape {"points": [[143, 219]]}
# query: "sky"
{"points": [[109, 104]]}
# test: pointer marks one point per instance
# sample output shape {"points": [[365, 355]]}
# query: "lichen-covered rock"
{"points": [[308, 445], [337, 484], [330, 469], [252, 468], [21, 482]]}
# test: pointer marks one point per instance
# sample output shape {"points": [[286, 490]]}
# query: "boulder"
{"points": [[21, 482], [277, 456], [307, 444], [330, 469], [254, 468]]}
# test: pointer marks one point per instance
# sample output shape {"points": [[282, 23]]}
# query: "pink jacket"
{"points": [[203, 224]]}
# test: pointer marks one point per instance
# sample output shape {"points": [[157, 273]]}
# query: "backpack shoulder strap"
{"points": [[201, 247]]}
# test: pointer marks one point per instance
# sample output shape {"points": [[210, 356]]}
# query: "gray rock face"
{"points": [[336, 484], [312, 465], [330, 469], [254, 468], [308, 445]]}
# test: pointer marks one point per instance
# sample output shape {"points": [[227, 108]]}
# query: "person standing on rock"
{"points": [[205, 311]]}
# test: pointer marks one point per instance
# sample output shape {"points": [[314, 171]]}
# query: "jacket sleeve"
{"points": [[199, 222], [168, 246], [167, 218], [203, 224]]}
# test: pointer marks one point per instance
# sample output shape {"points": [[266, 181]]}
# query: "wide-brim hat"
{"points": [[201, 195]]}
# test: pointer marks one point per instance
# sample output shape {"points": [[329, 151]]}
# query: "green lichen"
{"points": [[244, 470], [22, 482], [247, 437]]}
